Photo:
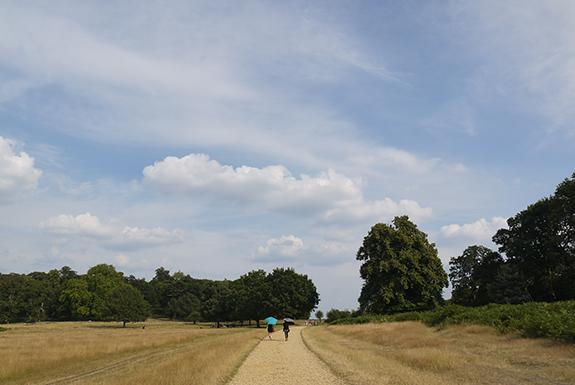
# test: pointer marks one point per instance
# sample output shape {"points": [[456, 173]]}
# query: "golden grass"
{"points": [[97, 353], [411, 353]]}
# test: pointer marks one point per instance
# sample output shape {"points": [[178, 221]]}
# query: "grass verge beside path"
{"points": [[90, 352], [535, 319], [409, 353]]}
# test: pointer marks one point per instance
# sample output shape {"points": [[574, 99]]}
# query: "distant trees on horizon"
{"points": [[104, 294]]}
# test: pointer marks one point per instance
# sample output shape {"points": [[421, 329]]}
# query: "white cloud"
{"points": [[122, 259], [273, 187], [481, 229], [17, 171], [285, 246], [89, 226], [292, 250], [379, 210], [193, 77], [334, 196]]}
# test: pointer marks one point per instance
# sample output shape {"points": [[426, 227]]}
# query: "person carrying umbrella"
{"points": [[287, 322], [271, 321]]}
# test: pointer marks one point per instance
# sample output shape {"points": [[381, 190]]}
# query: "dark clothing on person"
{"points": [[270, 328], [286, 330]]}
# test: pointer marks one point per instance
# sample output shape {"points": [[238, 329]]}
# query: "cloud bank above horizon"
{"points": [[215, 139]]}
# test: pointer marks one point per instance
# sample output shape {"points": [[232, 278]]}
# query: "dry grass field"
{"points": [[101, 353], [412, 353]]}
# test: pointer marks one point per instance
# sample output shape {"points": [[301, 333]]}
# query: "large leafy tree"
{"points": [[540, 241], [255, 296], [401, 269], [293, 295], [125, 303]]}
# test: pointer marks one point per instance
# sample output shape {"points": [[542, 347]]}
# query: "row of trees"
{"points": [[106, 294], [536, 258], [535, 262]]}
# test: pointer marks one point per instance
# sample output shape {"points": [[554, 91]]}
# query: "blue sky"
{"points": [[215, 138]]}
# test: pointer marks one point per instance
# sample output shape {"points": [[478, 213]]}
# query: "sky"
{"points": [[215, 138]]}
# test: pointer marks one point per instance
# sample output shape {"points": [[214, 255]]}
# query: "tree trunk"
{"points": [[258, 323], [124, 324]]}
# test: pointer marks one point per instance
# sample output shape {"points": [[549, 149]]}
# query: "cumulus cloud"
{"points": [[17, 171], [89, 226], [334, 196], [272, 186], [286, 246], [481, 229]]}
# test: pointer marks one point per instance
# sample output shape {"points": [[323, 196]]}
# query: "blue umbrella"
{"points": [[271, 320]]}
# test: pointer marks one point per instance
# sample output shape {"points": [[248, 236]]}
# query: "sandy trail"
{"points": [[284, 363]]}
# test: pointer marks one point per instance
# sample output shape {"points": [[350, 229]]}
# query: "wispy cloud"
{"points": [[90, 227], [526, 53]]}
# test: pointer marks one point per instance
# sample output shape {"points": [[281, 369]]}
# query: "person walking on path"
{"points": [[270, 330], [286, 330]]}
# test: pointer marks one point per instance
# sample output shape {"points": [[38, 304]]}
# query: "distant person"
{"points": [[286, 330], [270, 330]]}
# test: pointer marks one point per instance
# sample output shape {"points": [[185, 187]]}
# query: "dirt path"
{"points": [[284, 363]]}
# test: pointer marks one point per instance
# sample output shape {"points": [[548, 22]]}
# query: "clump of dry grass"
{"points": [[411, 353], [43, 352]]}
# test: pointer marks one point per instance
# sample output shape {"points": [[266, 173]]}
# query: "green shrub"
{"points": [[534, 319]]}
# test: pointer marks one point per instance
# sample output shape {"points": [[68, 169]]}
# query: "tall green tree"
{"points": [[78, 301], [401, 269], [255, 296], [293, 295], [125, 303], [102, 280], [540, 241]]}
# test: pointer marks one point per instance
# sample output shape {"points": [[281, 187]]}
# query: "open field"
{"points": [[412, 353], [102, 353]]}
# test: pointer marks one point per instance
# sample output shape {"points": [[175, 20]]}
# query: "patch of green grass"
{"points": [[534, 319], [3, 329]]}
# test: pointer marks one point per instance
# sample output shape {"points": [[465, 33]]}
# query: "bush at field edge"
{"points": [[534, 319]]}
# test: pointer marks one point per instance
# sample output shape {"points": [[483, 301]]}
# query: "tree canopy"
{"points": [[401, 269], [540, 241], [107, 295]]}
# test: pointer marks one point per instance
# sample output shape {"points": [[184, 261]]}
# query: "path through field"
{"points": [[284, 363]]}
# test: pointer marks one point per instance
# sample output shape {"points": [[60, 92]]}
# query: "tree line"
{"points": [[104, 294], [535, 261]]}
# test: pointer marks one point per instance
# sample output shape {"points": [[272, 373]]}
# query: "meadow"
{"points": [[164, 352], [410, 353]]}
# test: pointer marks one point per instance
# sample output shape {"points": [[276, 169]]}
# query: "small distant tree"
{"points": [[126, 304], [471, 273], [319, 315], [335, 314]]}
